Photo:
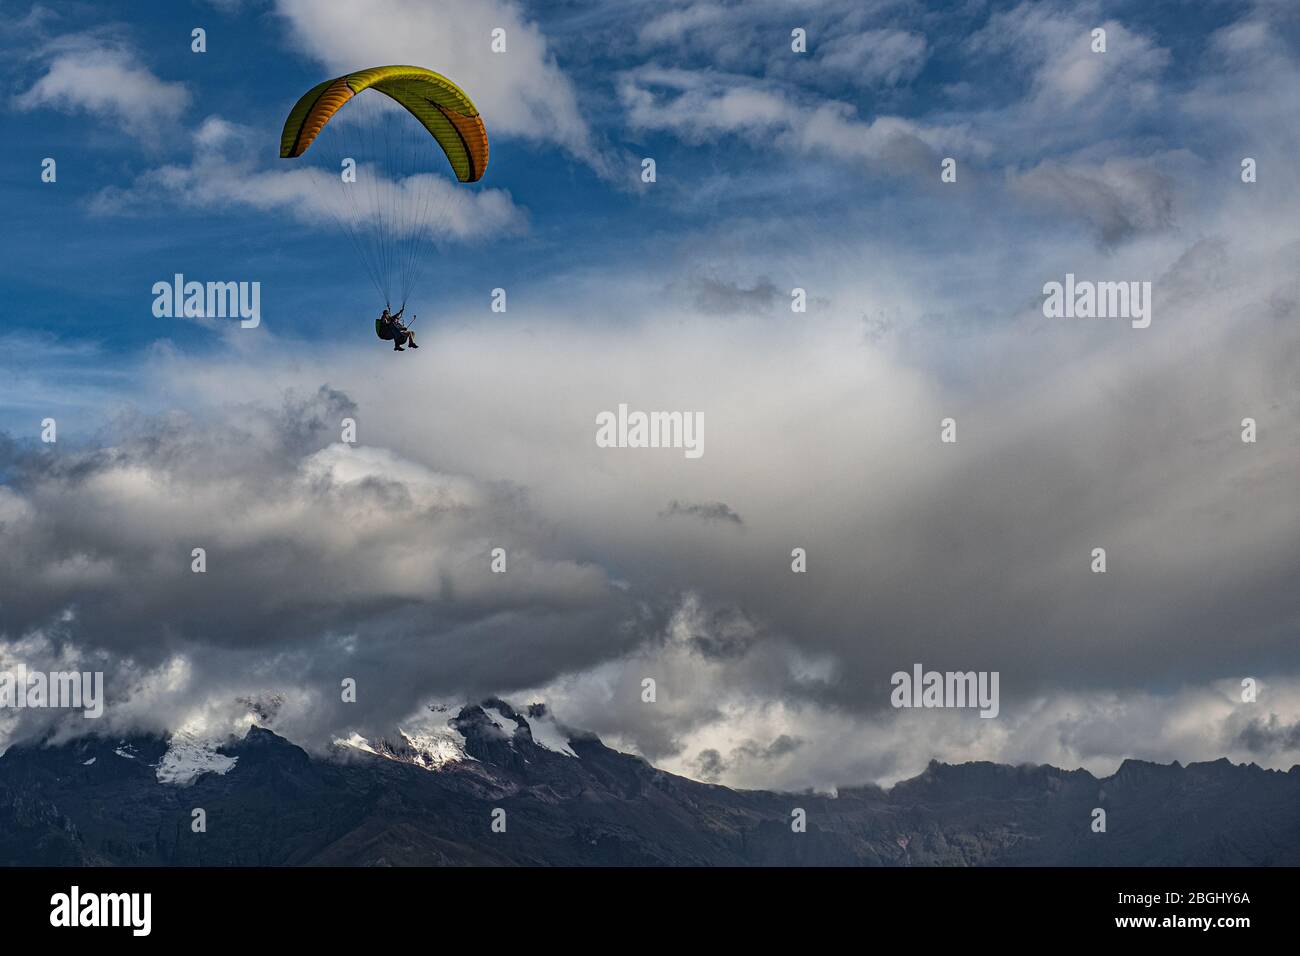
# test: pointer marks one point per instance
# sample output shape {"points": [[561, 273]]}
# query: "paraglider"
{"points": [[389, 327], [389, 200]]}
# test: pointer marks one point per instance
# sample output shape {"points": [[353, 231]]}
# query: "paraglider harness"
{"points": [[394, 329]]}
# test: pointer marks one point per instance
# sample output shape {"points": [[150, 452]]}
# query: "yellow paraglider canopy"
{"points": [[439, 104]]}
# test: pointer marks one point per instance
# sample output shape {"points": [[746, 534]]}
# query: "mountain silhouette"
{"points": [[570, 800]]}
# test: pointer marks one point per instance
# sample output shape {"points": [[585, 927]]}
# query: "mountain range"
{"points": [[431, 796]]}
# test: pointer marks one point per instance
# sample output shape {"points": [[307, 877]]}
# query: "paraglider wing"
{"points": [[439, 104]]}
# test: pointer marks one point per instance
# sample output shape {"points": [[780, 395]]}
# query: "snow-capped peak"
{"points": [[436, 737], [503, 723], [431, 743], [546, 732], [189, 755], [356, 742], [432, 750]]}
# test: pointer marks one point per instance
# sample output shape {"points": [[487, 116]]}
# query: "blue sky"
{"points": [[255, 68], [104, 262], [776, 170]]}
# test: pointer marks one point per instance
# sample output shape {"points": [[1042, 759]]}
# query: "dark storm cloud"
{"points": [[307, 423], [720, 297], [323, 561], [1117, 200], [328, 561], [706, 511], [977, 555], [720, 632], [709, 765], [1269, 736], [780, 747]]}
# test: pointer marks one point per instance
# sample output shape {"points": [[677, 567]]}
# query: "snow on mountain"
{"points": [[434, 739], [432, 750], [546, 732], [356, 742], [189, 755], [505, 724], [431, 742]]}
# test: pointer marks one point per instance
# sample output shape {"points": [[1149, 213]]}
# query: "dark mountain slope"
{"points": [[99, 802]]}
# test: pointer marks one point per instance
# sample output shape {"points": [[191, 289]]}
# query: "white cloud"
{"points": [[224, 171], [1119, 197], [972, 557], [874, 56], [775, 743], [671, 26], [521, 92], [1249, 80], [700, 106], [1053, 41], [86, 73]]}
